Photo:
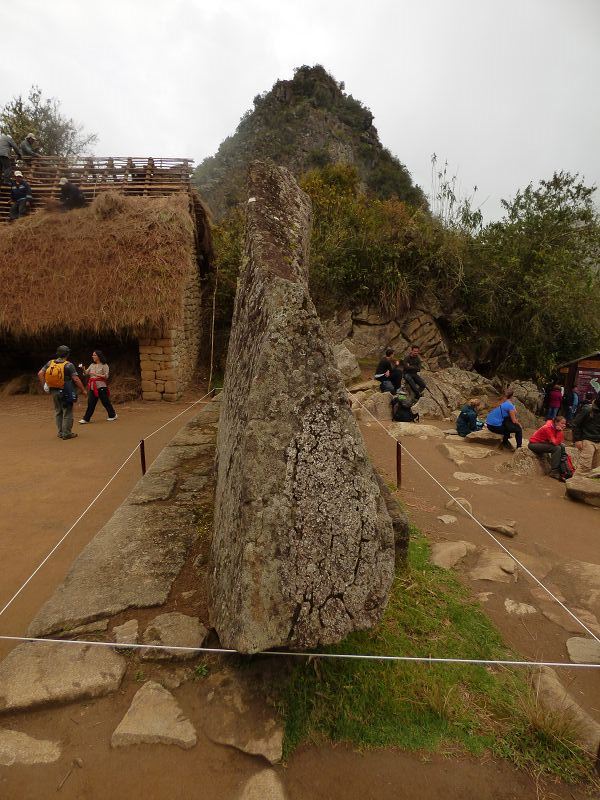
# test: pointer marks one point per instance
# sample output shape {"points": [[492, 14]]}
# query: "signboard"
{"points": [[587, 380]]}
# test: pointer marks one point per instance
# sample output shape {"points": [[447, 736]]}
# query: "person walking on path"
{"points": [[388, 372], [555, 398], [549, 439], [59, 377], [98, 373], [7, 144], [20, 194], [586, 436], [503, 419], [467, 421], [412, 366]]}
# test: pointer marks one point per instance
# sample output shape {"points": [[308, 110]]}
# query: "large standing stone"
{"points": [[154, 717], [38, 673], [303, 548], [19, 748]]}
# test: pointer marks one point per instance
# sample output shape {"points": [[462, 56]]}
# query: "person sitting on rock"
{"points": [[549, 439], [502, 419], [20, 194], [412, 366], [388, 372], [467, 421], [586, 435]]}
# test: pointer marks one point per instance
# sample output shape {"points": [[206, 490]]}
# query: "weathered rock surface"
{"points": [[154, 717], [19, 748], [528, 394], [517, 609], [303, 549], [555, 613], [484, 437], [494, 565], [448, 554], [38, 673], [583, 651], [460, 504], [127, 633], [506, 527], [400, 522], [173, 630], [583, 489], [265, 785], [525, 462], [460, 455], [474, 477], [346, 362], [579, 582], [403, 429], [447, 519], [379, 405], [449, 389]]}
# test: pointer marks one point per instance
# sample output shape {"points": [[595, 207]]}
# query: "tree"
{"points": [[56, 134]]}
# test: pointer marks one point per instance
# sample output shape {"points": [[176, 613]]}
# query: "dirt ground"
{"points": [[47, 483]]}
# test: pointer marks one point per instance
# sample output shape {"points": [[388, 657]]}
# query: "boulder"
{"points": [[447, 519], [526, 417], [460, 504], [401, 430], [583, 651], [303, 547], [583, 489], [494, 565], [346, 362], [484, 437], [448, 390], [154, 717], [448, 554], [371, 340], [127, 633], [379, 405], [528, 394], [420, 328], [173, 630]]}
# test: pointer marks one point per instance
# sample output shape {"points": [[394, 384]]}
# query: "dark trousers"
{"points": [[415, 381], [19, 208], [63, 415], [508, 427], [93, 400], [393, 383], [557, 452], [5, 169]]}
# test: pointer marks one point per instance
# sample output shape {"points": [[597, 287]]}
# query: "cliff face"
{"points": [[305, 122]]}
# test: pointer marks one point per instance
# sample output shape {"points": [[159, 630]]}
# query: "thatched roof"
{"points": [[119, 264]]}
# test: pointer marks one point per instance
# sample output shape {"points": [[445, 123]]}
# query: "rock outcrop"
{"points": [[449, 389], [584, 489], [303, 549]]}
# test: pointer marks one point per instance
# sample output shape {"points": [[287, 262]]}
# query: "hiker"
{"points": [[412, 366], [7, 143], [59, 378], [586, 435], [20, 194], [97, 373], [555, 397], [71, 195], [549, 439], [388, 372], [571, 399], [503, 419], [26, 147], [467, 421]]}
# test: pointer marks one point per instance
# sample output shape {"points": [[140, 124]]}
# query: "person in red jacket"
{"points": [[555, 398], [549, 439]]}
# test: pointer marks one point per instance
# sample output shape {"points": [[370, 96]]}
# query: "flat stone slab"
{"points": [[265, 785], [506, 528], [173, 630], [239, 716], [583, 651], [190, 435], [518, 609], [154, 717], [447, 519], [172, 457], [483, 437], [583, 489], [459, 504], [555, 614], [400, 430], [38, 673], [127, 633], [152, 487], [447, 554], [19, 748], [473, 477], [494, 565]]}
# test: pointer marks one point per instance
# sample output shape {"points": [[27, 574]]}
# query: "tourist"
{"points": [[59, 378], [503, 419], [549, 439], [71, 195], [26, 147], [555, 396], [412, 366], [571, 399], [467, 421], [97, 373], [7, 144], [586, 435], [20, 194], [388, 372]]}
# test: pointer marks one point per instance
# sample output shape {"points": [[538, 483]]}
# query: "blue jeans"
{"points": [[552, 412]]}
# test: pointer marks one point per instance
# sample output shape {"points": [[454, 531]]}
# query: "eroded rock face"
{"points": [[303, 549]]}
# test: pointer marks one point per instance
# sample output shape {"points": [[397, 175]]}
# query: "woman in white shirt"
{"points": [[98, 373]]}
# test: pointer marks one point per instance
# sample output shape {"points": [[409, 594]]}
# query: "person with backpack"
{"points": [[402, 409], [59, 378], [503, 419], [586, 436], [467, 421], [549, 439], [98, 373], [388, 372]]}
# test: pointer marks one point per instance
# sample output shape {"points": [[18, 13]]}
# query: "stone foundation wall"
{"points": [[168, 357]]}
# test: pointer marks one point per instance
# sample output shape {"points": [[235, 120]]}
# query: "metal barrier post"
{"points": [[398, 464], [143, 456]]}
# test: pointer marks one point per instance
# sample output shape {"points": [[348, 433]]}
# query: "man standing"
{"points": [[27, 145], [586, 436], [59, 377], [7, 143], [71, 195], [20, 194], [412, 366]]}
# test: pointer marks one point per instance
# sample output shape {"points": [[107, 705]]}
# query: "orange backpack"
{"points": [[55, 374]]}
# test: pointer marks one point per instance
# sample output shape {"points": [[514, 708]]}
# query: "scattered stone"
{"points": [[540, 594], [484, 597], [187, 595], [447, 519], [19, 748], [494, 566], [238, 715], [556, 614], [518, 609], [506, 528], [346, 362], [154, 717], [401, 430], [127, 633], [448, 554], [98, 626], [454, 454], [583, 651], [173, 679], [459, 504], [453, 489], [38, 673], [584, 489], [265, 785], [473, 477], [173, 630]]}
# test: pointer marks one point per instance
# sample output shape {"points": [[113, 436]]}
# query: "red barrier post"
{"points": [[398, 465]]}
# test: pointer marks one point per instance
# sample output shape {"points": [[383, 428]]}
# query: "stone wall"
{"points": [[168, 357]]}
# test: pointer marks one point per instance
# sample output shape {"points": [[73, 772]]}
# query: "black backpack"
{"points": [[402, 411]]}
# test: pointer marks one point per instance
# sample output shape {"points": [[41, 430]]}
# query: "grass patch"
{"points": [[463, 708]]}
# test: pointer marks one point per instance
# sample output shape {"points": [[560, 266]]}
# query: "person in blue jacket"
{"points": [[20, 194], [467, 421]]}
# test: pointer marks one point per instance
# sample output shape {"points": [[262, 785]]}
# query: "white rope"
{"points": [[294, 654], [482, 526], [84, 512]]}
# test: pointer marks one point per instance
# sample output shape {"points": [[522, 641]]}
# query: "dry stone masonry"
{"points": [[303, 548]]}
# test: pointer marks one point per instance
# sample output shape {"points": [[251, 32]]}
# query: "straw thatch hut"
{"points": [[124, 274]]}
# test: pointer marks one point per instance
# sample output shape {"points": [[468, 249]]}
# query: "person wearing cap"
{"points": [[71, 195], [20, 194], [7, 145], [26, 147], [59, 378]]}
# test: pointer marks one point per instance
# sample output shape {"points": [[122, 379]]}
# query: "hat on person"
{"points": [[31, 136], [62, 181], [18, 173], [62, 351]]}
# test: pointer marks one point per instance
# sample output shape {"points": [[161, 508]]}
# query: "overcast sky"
{"points": [[507, 91]]}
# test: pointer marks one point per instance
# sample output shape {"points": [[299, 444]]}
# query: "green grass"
{"points": [[448, 708]]}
